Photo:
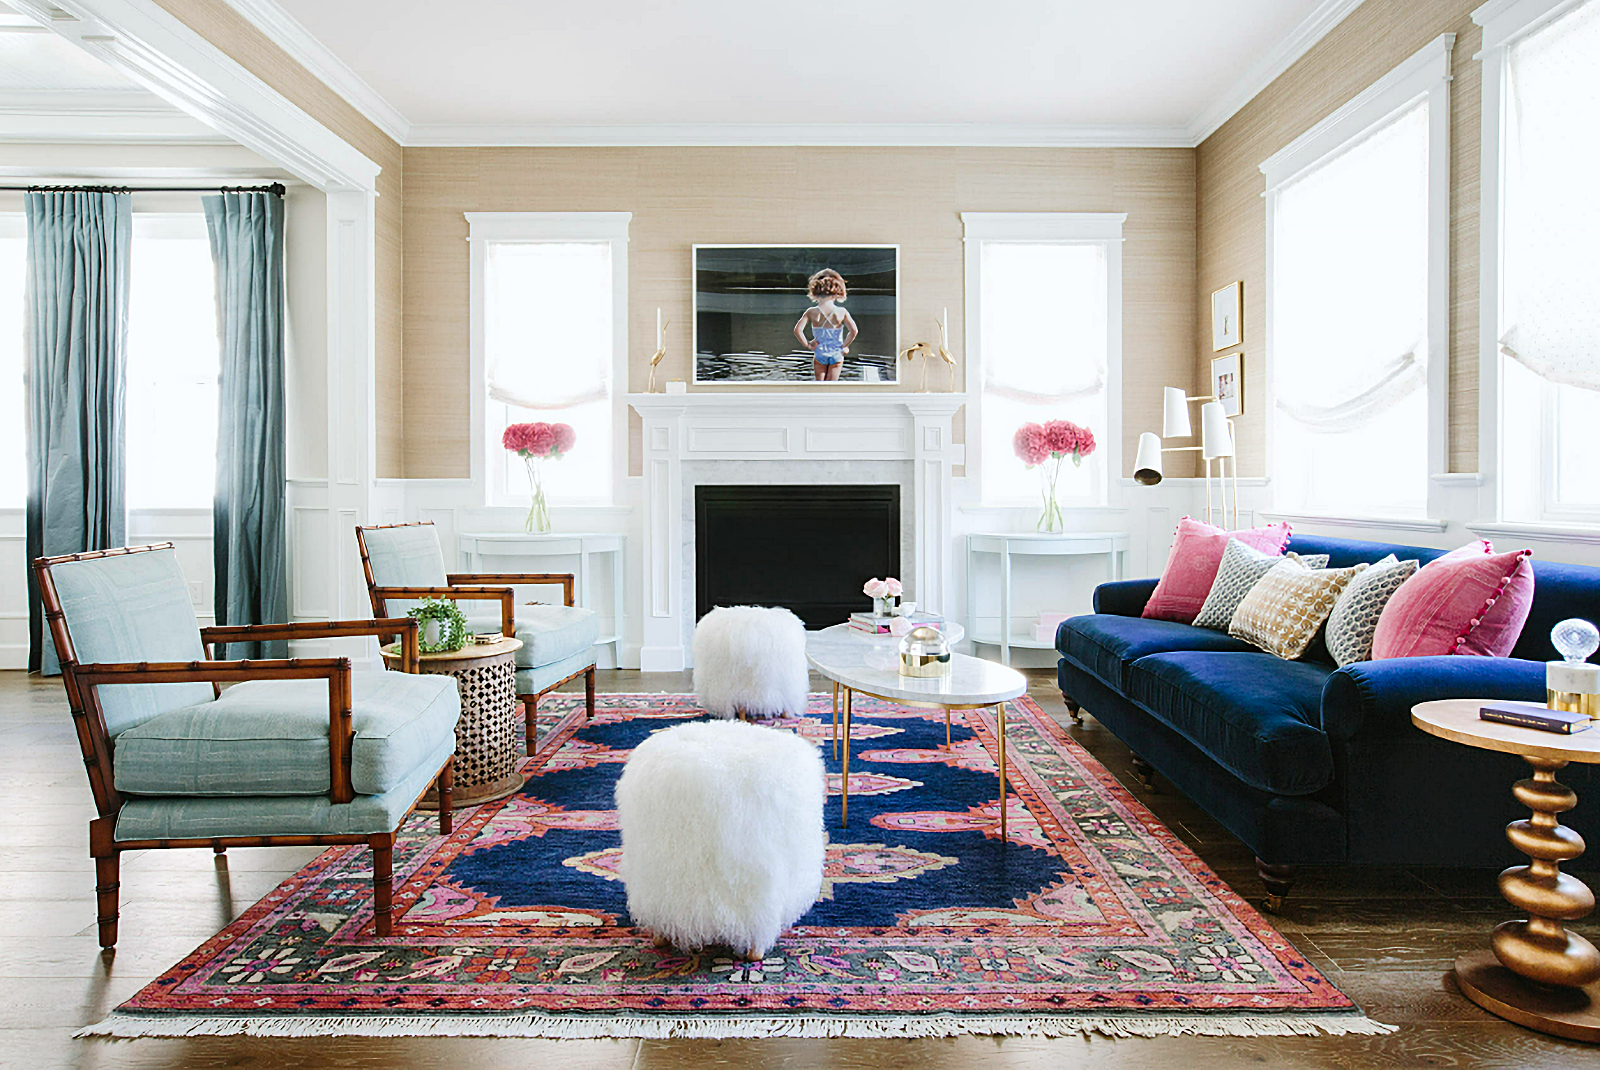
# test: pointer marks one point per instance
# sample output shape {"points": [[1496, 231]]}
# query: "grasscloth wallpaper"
{"points": [[1231, 217], [229, 31], [680, 196]]}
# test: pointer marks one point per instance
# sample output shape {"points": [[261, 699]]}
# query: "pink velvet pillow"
{"points": [[1470, 601], [1192, 565]]}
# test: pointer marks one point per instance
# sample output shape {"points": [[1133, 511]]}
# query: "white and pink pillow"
{"points": [[1470, 601], [1197, 551]]}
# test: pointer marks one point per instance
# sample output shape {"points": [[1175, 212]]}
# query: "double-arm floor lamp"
{"points": [[1216, 444]]}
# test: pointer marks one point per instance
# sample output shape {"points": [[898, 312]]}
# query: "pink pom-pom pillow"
{"points": [[1470, 601], [1192, 565]]}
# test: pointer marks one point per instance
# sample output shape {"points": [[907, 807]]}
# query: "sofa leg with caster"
{"points": [[1146, 774], [1278, 880], [1074, 710]]}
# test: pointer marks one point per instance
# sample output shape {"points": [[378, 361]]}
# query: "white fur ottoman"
{"points": [[722, 836], [750, 660]]}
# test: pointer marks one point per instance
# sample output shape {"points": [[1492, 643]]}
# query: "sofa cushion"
{"points": [[1241, 569], [270, 737], [1105, 645], [1285, 609], [1355, 615], [1256, 714]]}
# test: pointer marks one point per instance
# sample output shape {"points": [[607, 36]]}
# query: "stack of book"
{"points": [[872, 624]]}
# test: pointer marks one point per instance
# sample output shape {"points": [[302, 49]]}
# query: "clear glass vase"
{"points": [[538, 518], [1050, 518]]}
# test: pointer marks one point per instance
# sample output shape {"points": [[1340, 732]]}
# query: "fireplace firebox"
{"points": [[807, 548]]}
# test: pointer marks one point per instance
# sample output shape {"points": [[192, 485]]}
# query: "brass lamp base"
{"points": [[1573, 1013]]}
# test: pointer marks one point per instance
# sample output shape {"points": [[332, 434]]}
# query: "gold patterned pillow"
{"points": [[1283, 611]]}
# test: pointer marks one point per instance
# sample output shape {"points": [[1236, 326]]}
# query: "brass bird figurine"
{"points": [[924, 350], [944, 351], [655, 358]]}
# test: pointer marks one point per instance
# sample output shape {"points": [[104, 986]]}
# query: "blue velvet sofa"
{"points": [[1311, 764]]}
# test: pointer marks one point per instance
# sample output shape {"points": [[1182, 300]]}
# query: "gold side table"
{"points": [[489, 729], [1538, 974]]}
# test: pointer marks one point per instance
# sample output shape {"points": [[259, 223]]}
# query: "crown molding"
{"points": [[285, 31], [76, 115], [1313, 28], [876, 135], [304, 48]]}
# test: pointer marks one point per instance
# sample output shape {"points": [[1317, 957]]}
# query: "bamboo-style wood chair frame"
{"points": [[83, 681], [468, 587]]}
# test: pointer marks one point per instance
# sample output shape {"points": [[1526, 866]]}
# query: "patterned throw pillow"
{"points": [[1355, 615], [1470, 601], [1192, 565], [1283, 611], [1242, 566]]}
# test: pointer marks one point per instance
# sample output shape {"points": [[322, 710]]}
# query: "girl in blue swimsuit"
{"points": [[832, 328]]}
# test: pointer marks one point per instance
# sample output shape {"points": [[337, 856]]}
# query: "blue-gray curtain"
{"points": [[250, 539], [77, 309]]}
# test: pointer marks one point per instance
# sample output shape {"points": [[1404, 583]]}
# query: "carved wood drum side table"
{"points": [[1538, 974], [490, 729]]}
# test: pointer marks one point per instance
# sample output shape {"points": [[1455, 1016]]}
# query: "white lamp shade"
{"points": [[1174, 413], [1147, 465], [1216, 437]]}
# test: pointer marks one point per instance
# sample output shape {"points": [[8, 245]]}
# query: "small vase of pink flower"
{"points": [[535, 443], [1044, 446], [885, 595]]}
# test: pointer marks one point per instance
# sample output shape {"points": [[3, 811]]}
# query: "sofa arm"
{"points": [[1124, 598], [1374, 698]]}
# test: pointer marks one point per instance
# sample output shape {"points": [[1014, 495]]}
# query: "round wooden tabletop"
{"points": [[1457, 719], [467, 656]]}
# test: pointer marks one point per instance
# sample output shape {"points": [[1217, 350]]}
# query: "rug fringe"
{"points": [[556, 1027]]}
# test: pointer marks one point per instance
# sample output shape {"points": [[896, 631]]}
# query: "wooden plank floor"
{"points": [[1386, 937]]}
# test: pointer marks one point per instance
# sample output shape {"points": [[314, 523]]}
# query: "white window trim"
{"points": [[1504, 23], [1425, 74], [1084, 228], [486, 227]]}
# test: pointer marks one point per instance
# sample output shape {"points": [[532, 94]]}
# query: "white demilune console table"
{"points": [[1113, 544], [480, 551]]}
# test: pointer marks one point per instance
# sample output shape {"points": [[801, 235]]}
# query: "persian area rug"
{"points": [[1092, 917]]}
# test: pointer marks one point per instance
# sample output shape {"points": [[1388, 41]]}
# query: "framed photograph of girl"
{"points": [[1227, 382]]}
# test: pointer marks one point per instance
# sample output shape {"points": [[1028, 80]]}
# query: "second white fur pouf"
{"points": [[722, 834], [751, 660]]}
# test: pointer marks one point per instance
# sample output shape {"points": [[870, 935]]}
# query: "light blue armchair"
{"points": [[404, 563], [298, 751]]}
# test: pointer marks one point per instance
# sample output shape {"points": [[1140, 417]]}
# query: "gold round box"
{"points": [[924, 653]]}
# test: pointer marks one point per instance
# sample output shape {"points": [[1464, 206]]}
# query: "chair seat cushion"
{"points": [[1105, 644], [270, 737], [548, 633], [1257, 715]]}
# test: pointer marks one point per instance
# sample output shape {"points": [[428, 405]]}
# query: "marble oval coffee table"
{"points": [[867, 665]]}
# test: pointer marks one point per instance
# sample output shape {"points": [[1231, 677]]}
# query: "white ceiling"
{"points": [[514, 71], [31, 57]]}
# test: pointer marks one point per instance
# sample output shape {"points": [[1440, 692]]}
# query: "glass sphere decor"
{"points": [[1573, 685], [924, 653]]}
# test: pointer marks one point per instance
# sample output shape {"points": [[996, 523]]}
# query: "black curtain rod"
{"points": [[276, 187]]}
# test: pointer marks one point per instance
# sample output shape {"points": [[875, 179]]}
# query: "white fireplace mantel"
{"points": [[790, 429]]}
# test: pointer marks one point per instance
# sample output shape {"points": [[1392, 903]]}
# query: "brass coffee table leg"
{"points": [[836, 720], [1000, 709], [1539, 975], [844, 780]]}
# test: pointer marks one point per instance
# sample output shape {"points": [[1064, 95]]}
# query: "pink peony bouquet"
{"points": [[884, 588], [1045, 446], [534, 442]]}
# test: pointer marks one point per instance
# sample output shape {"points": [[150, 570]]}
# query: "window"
{"points": [[13, 346], [173, 360], [1546, 341], [1357, 343], [1044, 301], [549, 340]]}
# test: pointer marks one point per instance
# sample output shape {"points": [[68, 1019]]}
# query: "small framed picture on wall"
{"points": [[1227, 316], [1227, 382]]}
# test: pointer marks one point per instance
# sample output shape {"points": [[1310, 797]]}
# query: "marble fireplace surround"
{"points": [[798, 436]]}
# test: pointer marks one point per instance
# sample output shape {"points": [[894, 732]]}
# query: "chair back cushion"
{"points": [[407, 556], [131, 608]]}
